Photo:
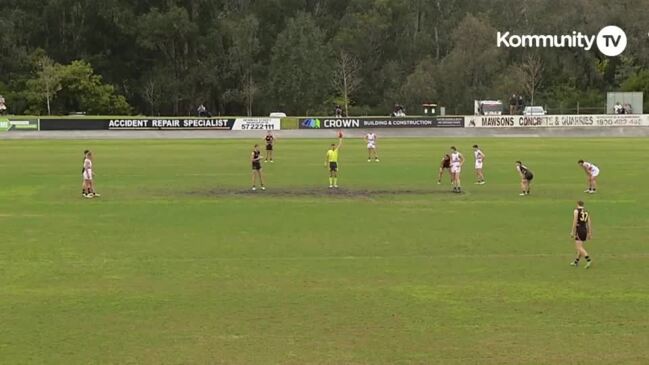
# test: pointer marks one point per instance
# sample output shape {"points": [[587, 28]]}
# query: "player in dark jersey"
{"points": [[444, 165], [581, 231], [255, 158], [270, 140], [526, 178]]}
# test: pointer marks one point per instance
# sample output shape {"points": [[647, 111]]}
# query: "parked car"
{"points": [[534, 110]]}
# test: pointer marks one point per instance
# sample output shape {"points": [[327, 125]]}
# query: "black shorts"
{"points": [[333, 166], [256, 165], [529, 177], [446, 165], [269, 147], [582, 234]]}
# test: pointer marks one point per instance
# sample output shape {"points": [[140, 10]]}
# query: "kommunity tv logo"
{"points": [[610, 40], [311, 123]]}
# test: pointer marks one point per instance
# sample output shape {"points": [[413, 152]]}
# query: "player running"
{"points": [[479, 160], [370, 139], [581, 231], [592, 172], [526, 177], [331, 161], [270, 141], [457, 160], [255, 158], [444, 165], [88, 175]]}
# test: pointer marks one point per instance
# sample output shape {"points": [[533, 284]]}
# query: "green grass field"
{"points": [[177, 263]]}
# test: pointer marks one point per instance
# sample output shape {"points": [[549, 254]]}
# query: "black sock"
{"points": [[577, 260], [587, 258]]}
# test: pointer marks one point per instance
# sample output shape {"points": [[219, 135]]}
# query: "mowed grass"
{"points": [[178, 264]]}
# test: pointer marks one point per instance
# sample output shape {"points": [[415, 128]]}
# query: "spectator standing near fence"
{"points": [[617, 108], [202, 111], [338, 111], [512, 104], [398, 111], [3, 106]]}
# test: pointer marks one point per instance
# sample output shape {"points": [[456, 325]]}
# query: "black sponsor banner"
{"points": [[450, 122], [135, 123], [185, 123], [339, 123], [51, 124]]}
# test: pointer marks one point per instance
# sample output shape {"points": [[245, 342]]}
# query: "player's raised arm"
{"points": [[340, 140]]}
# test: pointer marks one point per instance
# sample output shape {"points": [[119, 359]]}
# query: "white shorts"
{"points": [[594, 172], [87, 175], [371, 145], [478, 164], [456, 169]]}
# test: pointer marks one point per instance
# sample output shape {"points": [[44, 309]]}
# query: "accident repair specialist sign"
{"points": [[145, 123]]}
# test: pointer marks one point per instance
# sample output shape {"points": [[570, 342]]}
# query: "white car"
{"points": [[534, 110]]}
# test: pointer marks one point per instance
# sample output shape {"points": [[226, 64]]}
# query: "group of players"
{"points": [[331, 158], [452, 162]]}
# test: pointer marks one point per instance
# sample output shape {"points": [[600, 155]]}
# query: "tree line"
{"points": [[303, 57]]}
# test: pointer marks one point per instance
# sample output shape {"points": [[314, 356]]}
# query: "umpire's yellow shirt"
{"points": [[332, 155]]}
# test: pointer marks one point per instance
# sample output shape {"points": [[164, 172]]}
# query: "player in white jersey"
{"points": [[370, 138], [457, 160], [83, 179], [592, 172], [479, 161], [88, 174]]}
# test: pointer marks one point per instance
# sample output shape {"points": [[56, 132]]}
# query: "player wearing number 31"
{"points": [[331, 161]]}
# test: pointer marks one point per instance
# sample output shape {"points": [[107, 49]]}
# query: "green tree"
{"points": [[639, 82], [346, 79], [468, 72], [49, 80], [300, 67], [82, 90], [242, 59], [170, 34], [421, 85]]}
